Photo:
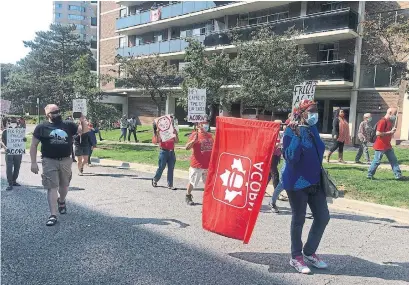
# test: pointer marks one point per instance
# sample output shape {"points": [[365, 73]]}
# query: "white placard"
{"points": [[79, 105], [196, 105], [165, 127], [15, 143], [303, 91], [5, 106]]}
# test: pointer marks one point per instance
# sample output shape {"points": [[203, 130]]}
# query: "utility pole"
{"points": [[38, 110]]}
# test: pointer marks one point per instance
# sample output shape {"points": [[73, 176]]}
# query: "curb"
{"points": [[387, 213]]}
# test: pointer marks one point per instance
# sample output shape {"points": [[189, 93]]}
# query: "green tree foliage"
{"points": [[152, 75], [267, 67]]}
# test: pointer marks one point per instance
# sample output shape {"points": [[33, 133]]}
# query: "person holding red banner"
{"points": [[166, 157], [303, 152], [201, 142]]}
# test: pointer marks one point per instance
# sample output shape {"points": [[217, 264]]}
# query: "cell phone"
{"points": [[76, 115]]}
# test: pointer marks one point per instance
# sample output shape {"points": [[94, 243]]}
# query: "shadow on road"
{"points": [[88, 247], [344, 265], [113, 175]]}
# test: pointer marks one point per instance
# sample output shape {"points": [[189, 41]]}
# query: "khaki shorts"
{"points": [[56, 173], [195, 174]]}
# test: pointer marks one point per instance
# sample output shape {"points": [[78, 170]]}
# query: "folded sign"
{"points": [[238, 174]]}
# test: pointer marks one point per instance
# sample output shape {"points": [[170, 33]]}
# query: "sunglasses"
{"points": [[54, 112]]}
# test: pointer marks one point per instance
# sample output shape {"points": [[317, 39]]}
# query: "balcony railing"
{"points": [[315, 23], [329, 71], [170, 81], [166, 12]]}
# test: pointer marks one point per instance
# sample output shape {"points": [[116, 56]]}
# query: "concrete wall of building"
{"points": [[144, 108], [316, 6]]}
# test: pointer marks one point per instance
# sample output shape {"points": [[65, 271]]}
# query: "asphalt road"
{"points": [[120, 230]]}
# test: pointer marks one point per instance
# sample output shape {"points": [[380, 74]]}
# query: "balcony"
{"points": [[307, 25], [170, 81], [169, 11], [329, 71], [93, 44]]}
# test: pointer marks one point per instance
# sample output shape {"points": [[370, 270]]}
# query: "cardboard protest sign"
{"points": [[79, 105], [196, 105], [5, 106], [165, 127], [303, 91], [15, 143]]}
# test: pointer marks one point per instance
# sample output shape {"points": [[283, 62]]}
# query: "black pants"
{"points": [[72, 152], [336, 145], [13, 163], [315, 197], [134, 135], [89, 156], [274, 174]]}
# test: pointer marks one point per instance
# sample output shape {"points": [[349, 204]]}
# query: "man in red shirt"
{"points": [[384, 132], [201, 142]]}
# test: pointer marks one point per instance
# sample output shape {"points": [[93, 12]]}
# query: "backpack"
{"points": [[372, 135]]}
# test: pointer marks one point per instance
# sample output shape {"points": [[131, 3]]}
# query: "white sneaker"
{"points": [[299, 265], [315, 261]]}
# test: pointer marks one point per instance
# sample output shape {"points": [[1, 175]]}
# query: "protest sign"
{"points": [[238, 175], [5, 106], [79, 105], [196, 112], [303, 91], [165, 127], [15, 143]]}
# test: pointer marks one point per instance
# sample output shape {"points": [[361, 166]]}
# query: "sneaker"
{"points": [[274, 208], [399, 178], [315, 261], [154, 183], [370, 177], [172, 188], [358, 162], [9, 188], [299, 265], [189, 200], [16, 184]]}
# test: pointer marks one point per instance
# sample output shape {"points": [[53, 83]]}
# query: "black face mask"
{"points": [[56, 119]]}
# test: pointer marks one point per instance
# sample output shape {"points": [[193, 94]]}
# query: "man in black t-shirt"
{"points": [[56, 137]]}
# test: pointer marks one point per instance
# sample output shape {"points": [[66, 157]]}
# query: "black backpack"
{"points": [[372, 135]]}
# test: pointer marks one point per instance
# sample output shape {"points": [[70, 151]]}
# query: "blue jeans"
{"points": [[315, 197], [390, 154], [277, 192], [166, 157], [123, 133]]}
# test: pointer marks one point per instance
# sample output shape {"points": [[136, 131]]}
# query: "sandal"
{"points": [[52, 220], [154, 183], [62, 208]]}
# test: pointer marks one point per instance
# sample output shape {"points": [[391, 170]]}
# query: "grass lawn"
{"points": [[402, 154]]}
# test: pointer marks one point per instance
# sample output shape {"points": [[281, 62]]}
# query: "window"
{"points": [[122, 13], [58, 6], [76, 8], [262, 16], [328, 52], [331, 6], [94, 21], [75, 17], [122, 42], [58, 15]]}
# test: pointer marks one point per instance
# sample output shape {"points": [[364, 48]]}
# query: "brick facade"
{"points": [[108, 51], [107, 6], [108, 22], [105, 86], [144, 108]]}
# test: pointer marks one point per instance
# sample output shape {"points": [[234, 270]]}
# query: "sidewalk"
{"points": [[349, 205]]}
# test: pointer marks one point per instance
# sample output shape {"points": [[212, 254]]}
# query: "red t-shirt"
{"points": [[168, 145], [383, 143], [202, 150]]}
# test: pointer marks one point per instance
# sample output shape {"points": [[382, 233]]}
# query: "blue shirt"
{"points": [[302, 166]]}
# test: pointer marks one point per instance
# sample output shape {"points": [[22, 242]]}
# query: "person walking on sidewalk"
{"points": [[93, 140], [123, 124], [13, 162], [382, 146], [167, 157], [303, 151], [340, 134], [274, 174], [364, 132], [201, 143], [56, 138], [132, 125], [83, 143]]}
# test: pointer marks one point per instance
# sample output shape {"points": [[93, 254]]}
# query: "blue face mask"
{"points": [[312, 119], [206, 128]]}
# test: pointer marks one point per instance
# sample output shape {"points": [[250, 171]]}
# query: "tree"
{"points": [[267, 67], [152, 75], [47, 71], [5, 70], [386, 40], [206, 70]]}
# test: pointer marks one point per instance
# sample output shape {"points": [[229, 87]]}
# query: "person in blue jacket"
{"points": [[303, 151]]}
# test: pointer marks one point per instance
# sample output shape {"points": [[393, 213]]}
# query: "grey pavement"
{"points": [[120, 230]]}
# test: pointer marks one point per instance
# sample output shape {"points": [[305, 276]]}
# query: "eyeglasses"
{"points": [[54, 112]]}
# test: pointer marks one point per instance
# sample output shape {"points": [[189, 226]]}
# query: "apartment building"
{"points": [[84, 15], [329, 34]]}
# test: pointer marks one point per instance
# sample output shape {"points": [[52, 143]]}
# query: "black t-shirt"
{"points": [[83, 140], [56, 139]]}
